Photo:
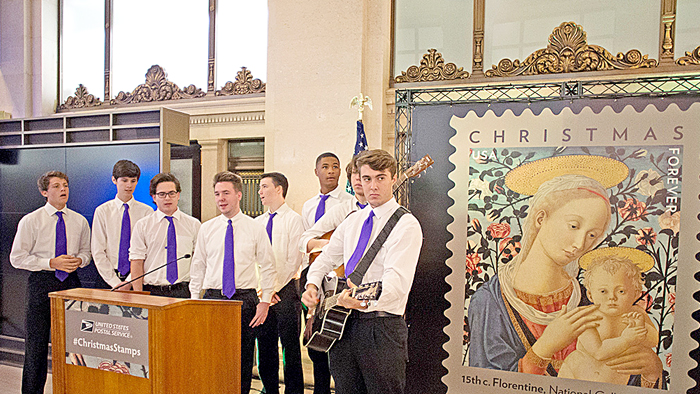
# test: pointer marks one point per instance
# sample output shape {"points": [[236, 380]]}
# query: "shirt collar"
{"points": [[160, 215], [51, 210], [386, 208], [119, 203], [335, 193], [284, 208], [234, 219]]}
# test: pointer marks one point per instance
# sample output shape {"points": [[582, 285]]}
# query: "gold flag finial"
{"points": [[360, 102]]}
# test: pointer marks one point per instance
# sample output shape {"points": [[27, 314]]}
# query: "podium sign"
{"points": [[107, 337]]}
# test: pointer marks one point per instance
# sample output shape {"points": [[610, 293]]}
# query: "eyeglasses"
{"points": [[170, 194]]}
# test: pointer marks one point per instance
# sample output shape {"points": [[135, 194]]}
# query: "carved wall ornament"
{"points": [[245, 84], [157, 88], [569, 52], [432, 68], [690, 58], [82, 99]]}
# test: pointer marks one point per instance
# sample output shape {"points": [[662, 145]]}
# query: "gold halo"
{"points": [[527, 178], [643, 260]]}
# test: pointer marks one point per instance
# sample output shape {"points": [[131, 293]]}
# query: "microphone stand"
{"points": [[187, 256]]}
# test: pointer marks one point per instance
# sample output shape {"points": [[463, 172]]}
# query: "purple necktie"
{"points": [[61, 244], [172, 252], [124, 265], [269, 225], [321, 208], [228, 282], [361, 245], [361, 205]]}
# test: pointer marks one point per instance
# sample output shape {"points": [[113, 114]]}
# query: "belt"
{"points": [[371, 315], [120, 276], [168, 287], [238, 291]]}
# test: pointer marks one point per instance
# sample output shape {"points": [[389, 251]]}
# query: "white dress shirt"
{"points": [[150, 237], [329, 222], [251, 248], [286, 231], [35, 241], [308, 210], [395, 263], [106, 233]]}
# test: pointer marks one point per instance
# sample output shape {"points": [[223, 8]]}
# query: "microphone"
{"points": [[187, 256]]}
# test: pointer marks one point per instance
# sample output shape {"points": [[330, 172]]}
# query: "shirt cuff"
{"points": [[46, 264]]}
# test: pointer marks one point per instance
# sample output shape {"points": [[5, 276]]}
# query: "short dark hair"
{"points": [[279, 180], [378, 160], [164, 177], [326, 154], [228, 176], [43, 181], [126, 168]]}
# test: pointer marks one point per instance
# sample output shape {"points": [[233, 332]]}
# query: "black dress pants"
{"points": [[283, 322], [38, 327], [249, 297], [371, 356]]}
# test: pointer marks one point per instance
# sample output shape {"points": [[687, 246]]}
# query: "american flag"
{"points": [[360, 145]]}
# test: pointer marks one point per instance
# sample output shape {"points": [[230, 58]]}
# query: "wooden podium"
{"points": [[193, 346]]}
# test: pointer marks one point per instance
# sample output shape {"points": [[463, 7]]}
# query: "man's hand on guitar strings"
{"points": [[346, 301]]}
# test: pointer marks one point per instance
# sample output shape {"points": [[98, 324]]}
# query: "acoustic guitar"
{"points": [[327, 321]]}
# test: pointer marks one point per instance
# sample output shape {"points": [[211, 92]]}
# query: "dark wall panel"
{"points": [[89, 170]]}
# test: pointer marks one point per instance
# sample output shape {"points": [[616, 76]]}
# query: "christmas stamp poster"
{"points": [[570, 259]]}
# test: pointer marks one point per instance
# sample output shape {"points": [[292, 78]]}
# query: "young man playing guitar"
{"points": [[375, 334]]}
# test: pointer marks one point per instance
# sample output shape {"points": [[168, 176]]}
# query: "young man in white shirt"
{"points": [[229, 247], [51, 242], [164, 236], [328, 172], [375, 333], [113, 223], [284, 228], [311, 240]]}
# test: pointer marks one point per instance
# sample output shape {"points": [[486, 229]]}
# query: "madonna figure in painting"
{"points": [[528, 317]]}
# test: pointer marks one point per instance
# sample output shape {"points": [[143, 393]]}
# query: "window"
{"points": [[247, 159]]}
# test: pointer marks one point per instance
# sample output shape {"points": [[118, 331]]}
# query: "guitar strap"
{"points": [[359, 272]]}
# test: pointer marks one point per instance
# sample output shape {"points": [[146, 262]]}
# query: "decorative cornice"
{"points": [[245, 84], [82, 99], [157, 88], [569, 52], [690, 58], [228, 118], [432, 68]]}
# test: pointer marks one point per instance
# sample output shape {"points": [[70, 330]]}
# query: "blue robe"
{"points": [[494, 343]]}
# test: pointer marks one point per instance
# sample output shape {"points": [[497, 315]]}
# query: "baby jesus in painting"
{"points": [[614, 282]]}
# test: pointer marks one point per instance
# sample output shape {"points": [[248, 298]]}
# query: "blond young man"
{"points": [[51, 242], [230, 247]]}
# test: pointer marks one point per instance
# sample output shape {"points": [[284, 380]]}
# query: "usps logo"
{"points": [[87, 325]]}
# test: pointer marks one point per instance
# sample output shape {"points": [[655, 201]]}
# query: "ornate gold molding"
{"points": [[82, 99], [245, 84], [157, 88], [690, 58], [569, 52], [432, 68]]}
